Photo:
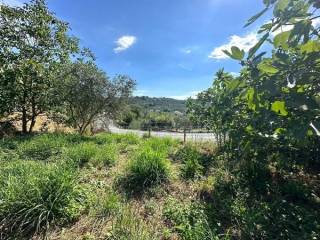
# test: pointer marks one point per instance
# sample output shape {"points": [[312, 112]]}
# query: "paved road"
{"points": [[195, 137]]}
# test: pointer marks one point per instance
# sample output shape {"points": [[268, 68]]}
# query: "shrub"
{"points": [[105, 155], [188, 220], [148, 168], [35, 196], [81, 154], [192, 162]]}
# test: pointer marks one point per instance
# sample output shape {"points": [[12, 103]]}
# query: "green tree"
{"points": [[88, 93], [33, 45]]}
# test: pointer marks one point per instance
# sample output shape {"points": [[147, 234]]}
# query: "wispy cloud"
{"points": [[13, 3], [184, 67], [124, 42], [244, 43], [186, 50]]}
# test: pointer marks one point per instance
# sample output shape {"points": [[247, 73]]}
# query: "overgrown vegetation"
{"points": [[261, 181]]}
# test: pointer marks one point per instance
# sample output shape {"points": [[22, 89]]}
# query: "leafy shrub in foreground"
{"points": [[189, 220], [148, 168], [35, 196], [192, 161]]}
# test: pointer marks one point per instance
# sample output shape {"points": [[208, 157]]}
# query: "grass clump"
{"points": [[105, 156], [105, 204], [188, 220], [40, 147], [82, 153], [148, 168], [35, 196]]}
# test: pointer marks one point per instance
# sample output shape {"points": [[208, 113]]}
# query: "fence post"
{"points": [[149, 132], [184, 135]]}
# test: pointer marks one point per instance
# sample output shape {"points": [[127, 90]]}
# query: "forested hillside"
{"points": [[160, 104]]}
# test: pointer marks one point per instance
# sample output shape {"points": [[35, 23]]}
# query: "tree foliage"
{"points": [[33, 45], [87, 93], [273, 106]]}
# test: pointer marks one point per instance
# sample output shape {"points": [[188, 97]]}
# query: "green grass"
{"points": [[147, 168], [189, 220], [49, 181], [82, 153], [35, 196]]}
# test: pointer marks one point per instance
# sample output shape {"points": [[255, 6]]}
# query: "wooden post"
{"points": [[184, 135], [149, 132]]}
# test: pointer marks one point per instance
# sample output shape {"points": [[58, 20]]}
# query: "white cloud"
{"points": [[186, 50], [124, 42], [13, 3], [192, 94], [244, 43]]}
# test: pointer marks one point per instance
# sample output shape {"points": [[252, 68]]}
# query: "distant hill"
{"points": [[161, 104]]}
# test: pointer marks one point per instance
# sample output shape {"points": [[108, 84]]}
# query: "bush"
{"points": [[81, 154], [192, 162], [148, 168], [35, 196], [188, 220]]}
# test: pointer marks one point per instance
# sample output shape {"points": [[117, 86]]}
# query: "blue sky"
{"points": [[172, 48]]}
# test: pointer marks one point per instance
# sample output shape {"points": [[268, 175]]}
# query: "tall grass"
{"points": [[148, 168], [35, 196]]}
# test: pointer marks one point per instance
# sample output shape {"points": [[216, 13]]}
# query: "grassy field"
{"points": [[67, 186]]}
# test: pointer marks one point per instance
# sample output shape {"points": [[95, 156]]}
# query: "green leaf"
{"points": [[267, 68], [282, 40], [310, 46], [237, 53], [279, 107], [281, 6], [255, 17], [254, 49]]}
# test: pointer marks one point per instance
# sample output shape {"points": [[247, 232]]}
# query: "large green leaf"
{"points": [[236, 53], [267, 68], [279, 107], [281, 6], [282, 40]]}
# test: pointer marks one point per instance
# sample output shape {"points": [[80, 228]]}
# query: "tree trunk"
{"points": [[33, 118], [24, 121]]}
